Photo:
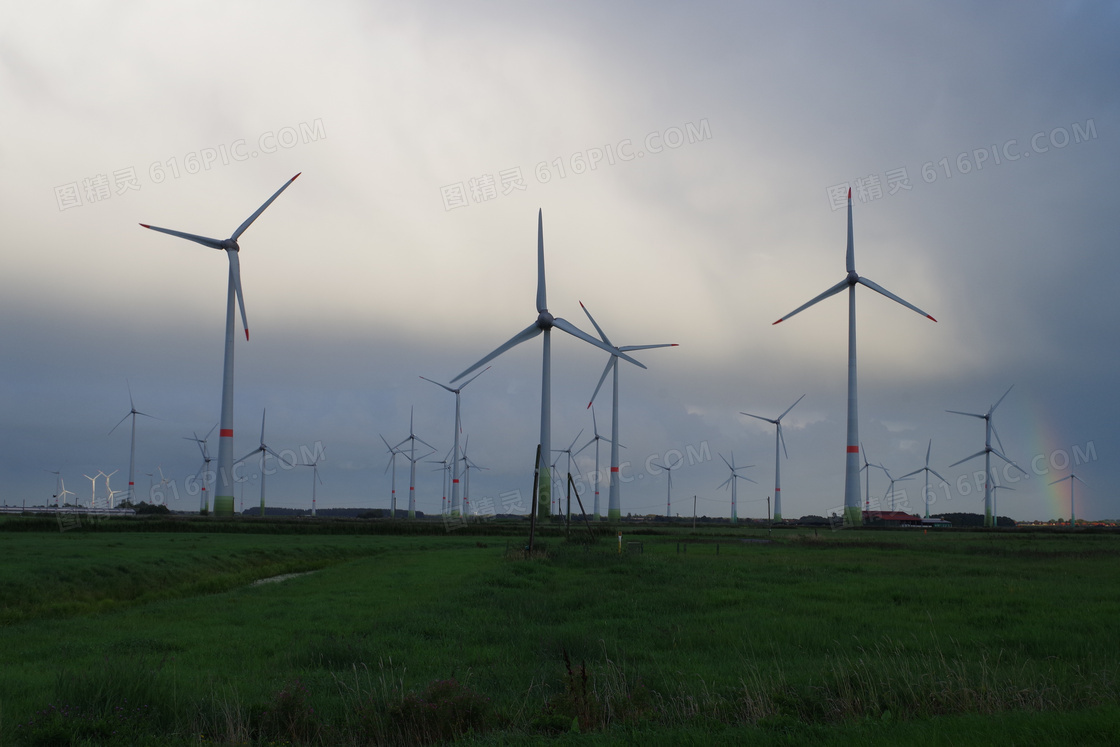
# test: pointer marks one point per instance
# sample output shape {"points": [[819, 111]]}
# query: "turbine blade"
{"points": [[908, 474], [1075, 477], [928, 449], [721, 456], [249, 221], [464, 384], [996, 434], [578, 451], [725, 483], [612, 361], [850, 255], [425, 378], [235, 274], [970, 414], [768, 420], [880, 289], [251, 453], [204, 240], [118, 424], [1001, 399], [282, 459], [939, 477], [1059, 480], [1016, 466], [576, 332], [595, 324], [628, 348], [526, 334], [542, 301], [262, 424], [573, 443], [830, 292], [962, 461], [790, 408]]}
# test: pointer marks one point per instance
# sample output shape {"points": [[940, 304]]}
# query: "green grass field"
{"points": [[115, 635]]}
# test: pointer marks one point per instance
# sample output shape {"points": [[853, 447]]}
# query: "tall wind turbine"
{"points": [[544, 324], [778, 439], [1072, 478], [669, 494], [204, 507], [224, 499], [264, 450], [927, 469], [458, 430], [987, 452], [413, 459], [733, 480], [614, 507], [314, 479], [393, 453], [132, 413], [596, 516], [852, 512]]}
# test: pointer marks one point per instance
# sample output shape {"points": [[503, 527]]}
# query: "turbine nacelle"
{"points": [[545, 320]]}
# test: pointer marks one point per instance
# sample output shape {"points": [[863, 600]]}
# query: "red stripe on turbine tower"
{"points": [[853, 449], [614, 469], [225, 433]]}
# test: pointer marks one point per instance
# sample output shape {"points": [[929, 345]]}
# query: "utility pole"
{"points": [[769, 526], [694, 513]]}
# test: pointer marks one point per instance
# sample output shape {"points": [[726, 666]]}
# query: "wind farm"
{"points": [[701, 169]]}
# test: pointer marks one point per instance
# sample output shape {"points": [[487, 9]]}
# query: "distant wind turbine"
{"points": [[413, 459], [393, 453], [867, 478], [596, 516], [314, 478], [733, 480], [614, 506], [224, 499], [458, 429], [669, 494], [264, 450], [63, 493], [852, 511], [927, 469], [890, 490], [567, 451], [93, 488], [1072, 478], [204, 470], [468, 465], [132, 413], [778, 438], [544, 324], [986, 452]]}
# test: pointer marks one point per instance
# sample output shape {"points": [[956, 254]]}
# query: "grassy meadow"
{"points": [[133, 633]]}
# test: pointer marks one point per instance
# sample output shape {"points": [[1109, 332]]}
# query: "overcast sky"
{"points": [[981, 143]]}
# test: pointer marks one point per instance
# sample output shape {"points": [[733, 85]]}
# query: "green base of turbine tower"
{"points": [[777, 517], [544, 494], [223, 505], [614, 514], [853, 516]]}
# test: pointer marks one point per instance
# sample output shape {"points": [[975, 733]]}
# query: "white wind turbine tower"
{"points": [[264, 450], [778, 439], [596, 516], [995, 511], [614, 506], [204, 471], [852, 512], [468, 465], [733, 481], [1072, 478], [445, 468], [132, 413], [93, 488], [224, 499], [458, 430], [413, 459], [986, 452], [927, 469], [314, 478], [544, 324], [669, 493], [108, 489], [393, 453]]}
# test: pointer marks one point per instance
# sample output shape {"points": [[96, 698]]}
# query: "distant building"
{"points": [[892, 519]]}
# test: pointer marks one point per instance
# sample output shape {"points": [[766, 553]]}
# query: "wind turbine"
{"points": [[614, 507], [393, 452], [669, 494], [778, 438], [890, 490], [224, 499], [867, 479], [596, 516], [93, 488], [205, 469], [733, 481], [57, 481], [264, 450], [412, 458], [132, 413], [995, 511], [544, 324], [314, 476], [63, 493], [852, 513], [1071, 477], [987, 452], [567, 451], [927, 469], [445, 468], [468, 465], [458, 430]]}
